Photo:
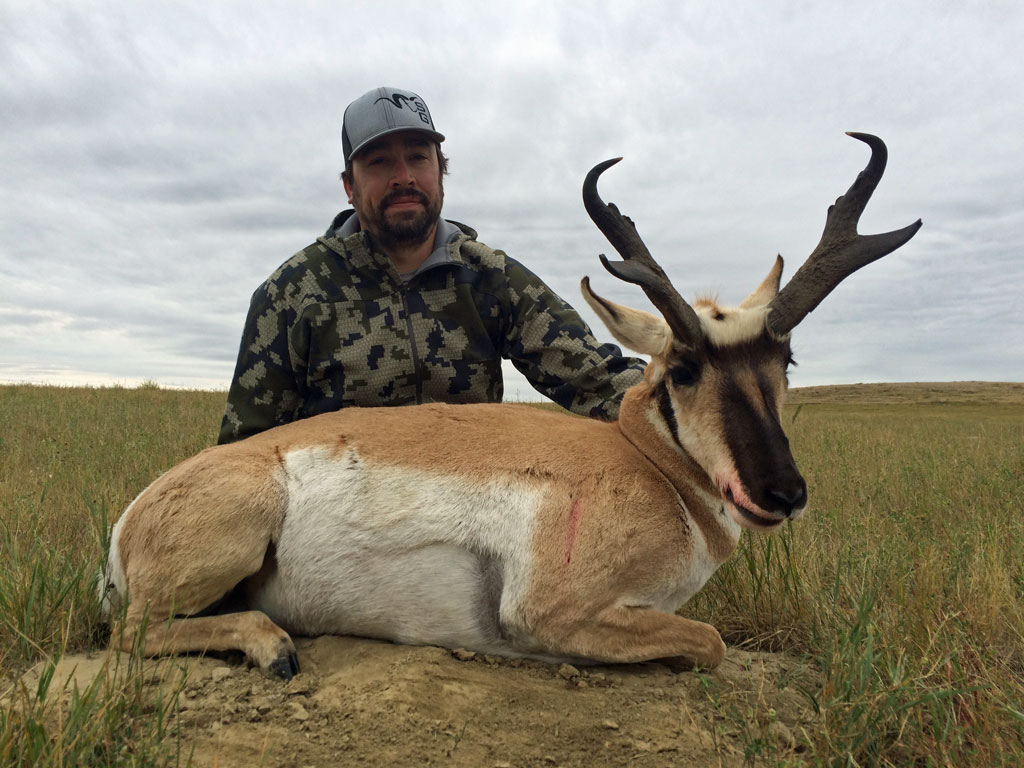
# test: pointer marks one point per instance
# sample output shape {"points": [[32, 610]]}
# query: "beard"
{"points": [[399, 227]]}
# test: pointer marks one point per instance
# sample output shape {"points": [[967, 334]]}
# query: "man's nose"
{"points": [[403, 175]]}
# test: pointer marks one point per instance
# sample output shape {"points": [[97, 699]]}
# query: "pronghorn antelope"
{"points": [[500, 528]]}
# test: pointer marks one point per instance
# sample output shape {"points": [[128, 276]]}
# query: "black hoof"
{"points": [[284, 667]]}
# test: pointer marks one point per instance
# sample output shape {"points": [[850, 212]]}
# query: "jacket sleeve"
{"points": [[551, 345], [266, 389]]}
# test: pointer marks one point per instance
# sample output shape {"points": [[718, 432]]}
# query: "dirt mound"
{"points": [[366, 703]]}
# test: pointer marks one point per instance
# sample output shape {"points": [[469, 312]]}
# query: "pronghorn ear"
{"points": [[640, 331], [767, 290]]}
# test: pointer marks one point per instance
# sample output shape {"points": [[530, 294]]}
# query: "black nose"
{"points": [[788, 499]]}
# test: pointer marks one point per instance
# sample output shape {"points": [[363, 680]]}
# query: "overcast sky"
{"points": [[160, 160]]}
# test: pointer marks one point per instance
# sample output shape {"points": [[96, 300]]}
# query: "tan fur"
{"points": [[578, 609], [177, 568]]}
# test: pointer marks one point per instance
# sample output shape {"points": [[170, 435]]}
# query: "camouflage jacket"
{"points": [[336, 326]]}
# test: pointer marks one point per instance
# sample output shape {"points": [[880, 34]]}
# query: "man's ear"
{"points": [[348, 187]]}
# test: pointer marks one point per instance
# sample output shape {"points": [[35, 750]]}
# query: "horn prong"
{"points": [[638, 267]]}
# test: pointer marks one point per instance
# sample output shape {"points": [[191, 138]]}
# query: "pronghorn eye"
{"points": [[684, 375]]}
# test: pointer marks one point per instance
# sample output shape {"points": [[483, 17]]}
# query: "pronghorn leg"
{"points": [[627, 634], [186, 543], [252, 632], [165, 595]]}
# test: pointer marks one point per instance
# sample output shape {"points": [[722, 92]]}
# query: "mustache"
{"points": [[394, 194]]}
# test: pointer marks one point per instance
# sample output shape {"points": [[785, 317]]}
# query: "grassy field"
{"points": [[904, 583]]}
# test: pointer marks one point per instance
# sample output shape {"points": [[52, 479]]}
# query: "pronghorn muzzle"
{"points": [[770, 488]]}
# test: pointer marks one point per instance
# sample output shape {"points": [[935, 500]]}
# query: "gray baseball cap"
{"points": [[383, 111]]}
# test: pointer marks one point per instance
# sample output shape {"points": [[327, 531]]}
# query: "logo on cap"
{"points": [[400, 101], [380, 112]]}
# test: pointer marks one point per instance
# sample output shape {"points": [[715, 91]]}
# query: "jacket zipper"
{"points": [[417, 363]]}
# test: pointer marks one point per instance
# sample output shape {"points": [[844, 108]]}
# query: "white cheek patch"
{"points": [[706, 449]]}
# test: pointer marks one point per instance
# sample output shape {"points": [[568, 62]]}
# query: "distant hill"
{"points": [[912, 392]]}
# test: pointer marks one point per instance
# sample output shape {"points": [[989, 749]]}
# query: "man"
{"points": [[395, 305]]}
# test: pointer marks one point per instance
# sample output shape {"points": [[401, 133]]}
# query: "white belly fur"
{"points": [[391, 552]]}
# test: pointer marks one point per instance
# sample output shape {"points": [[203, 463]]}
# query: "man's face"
{"points": [[396, 188]]}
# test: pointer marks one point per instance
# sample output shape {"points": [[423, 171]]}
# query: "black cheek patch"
{"points": [[664, 399]]}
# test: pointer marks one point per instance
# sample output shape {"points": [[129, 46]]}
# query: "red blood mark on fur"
{"points": [[570, 535]]}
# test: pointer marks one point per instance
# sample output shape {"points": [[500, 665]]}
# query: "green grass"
{"points": [[70, 460], [903, 585], [122, 717]]}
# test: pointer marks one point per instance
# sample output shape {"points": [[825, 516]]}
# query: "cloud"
{"points": [[161, 160]]}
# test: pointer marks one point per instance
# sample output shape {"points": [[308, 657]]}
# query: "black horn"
{"points": [[639, 266], [841, 251]]}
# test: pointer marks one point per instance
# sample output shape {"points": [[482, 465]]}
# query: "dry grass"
{"points": [[921, 393]]}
